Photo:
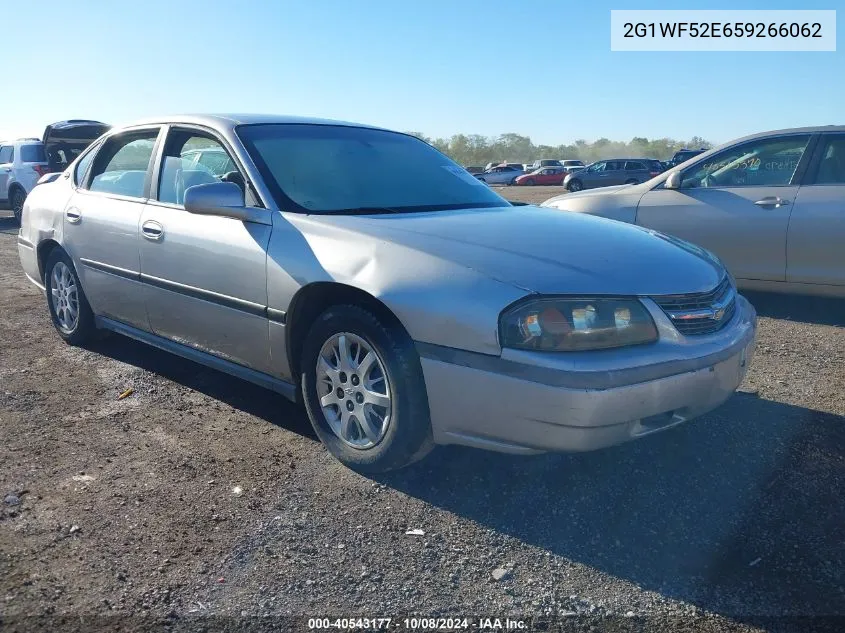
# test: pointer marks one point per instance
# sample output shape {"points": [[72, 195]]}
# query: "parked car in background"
{"points": [[502, 175], [684, 155], [569, 163], [404, 308], [542, 176], [546, 162], [770, 205], [24, 161], [615, 171]]}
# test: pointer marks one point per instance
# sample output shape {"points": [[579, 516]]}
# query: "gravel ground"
{"points": [[200, 499]]}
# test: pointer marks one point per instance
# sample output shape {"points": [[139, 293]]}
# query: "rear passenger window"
{"points": [[633, 165], [121, 166], [831, 169]]}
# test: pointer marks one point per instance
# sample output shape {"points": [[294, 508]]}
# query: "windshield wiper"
{"points": [[359, 211]]}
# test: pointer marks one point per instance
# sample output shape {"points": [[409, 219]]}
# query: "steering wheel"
{"points": [[235, 177]]}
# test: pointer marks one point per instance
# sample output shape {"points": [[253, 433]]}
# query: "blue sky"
{"points": [[541, 68]]}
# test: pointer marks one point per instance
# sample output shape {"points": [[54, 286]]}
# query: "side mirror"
{"points": [[673, 181], [224, 199]]}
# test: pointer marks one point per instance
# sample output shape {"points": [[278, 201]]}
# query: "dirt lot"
{"points": [[200, 495], [534, 195]]}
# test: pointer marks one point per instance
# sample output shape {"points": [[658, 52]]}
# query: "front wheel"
{"points": [[16, 200], [530, 182], [69, 309], [364, 391], [575, 185]]}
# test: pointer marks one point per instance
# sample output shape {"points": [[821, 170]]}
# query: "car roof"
{"points": [[229, 121], [816, 129]]}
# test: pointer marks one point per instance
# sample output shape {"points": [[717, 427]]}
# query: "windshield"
{"points": [[337, 169]]}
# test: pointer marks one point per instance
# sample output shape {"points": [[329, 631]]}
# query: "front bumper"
{"points": [[506, 406]]}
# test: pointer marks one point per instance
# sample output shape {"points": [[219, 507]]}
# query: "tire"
{"points": [[575, 185], [16, 200], [530, 182], [82, 329], [401, 433], [513, 182], [631, 181]]}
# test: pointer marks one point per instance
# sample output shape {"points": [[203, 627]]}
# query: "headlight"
{"points": [[568, 325]]}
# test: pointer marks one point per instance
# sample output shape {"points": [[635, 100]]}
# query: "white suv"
{"points": [[24, 161]]}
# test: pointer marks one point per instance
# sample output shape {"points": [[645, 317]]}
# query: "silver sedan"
{"points": [[404, 307], [769, 205]]}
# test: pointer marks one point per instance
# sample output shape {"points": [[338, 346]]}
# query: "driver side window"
{"points": [[193, 158], [596, 167], [765, 162]]}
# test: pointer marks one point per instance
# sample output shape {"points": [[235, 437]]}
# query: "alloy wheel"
{"points": [[354, 391], [65, 297]]}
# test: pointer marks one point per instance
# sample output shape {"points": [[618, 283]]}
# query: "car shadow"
{"points": [[805, 309], [239, 394], [738, 512]]}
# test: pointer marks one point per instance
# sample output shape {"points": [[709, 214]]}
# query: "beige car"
{"points": [[771, 206]]}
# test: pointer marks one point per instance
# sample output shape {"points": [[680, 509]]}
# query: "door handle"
{"points": [[73, 215], [152, 230], [772, 201]]}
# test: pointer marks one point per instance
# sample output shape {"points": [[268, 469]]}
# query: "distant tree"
{"points": [[476, 149]]}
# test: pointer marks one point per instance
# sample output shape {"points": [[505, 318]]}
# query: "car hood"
{"points": [[618, 202], [592, 193], [532, 248]]}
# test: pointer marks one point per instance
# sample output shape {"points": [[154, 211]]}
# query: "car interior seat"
{"points": [[832, 167], [187, 178]]}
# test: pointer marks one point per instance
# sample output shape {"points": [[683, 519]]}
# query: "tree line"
{"points": [[475, 149]]}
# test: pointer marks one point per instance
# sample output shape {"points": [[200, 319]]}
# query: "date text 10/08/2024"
{"points": [[418, 624]]}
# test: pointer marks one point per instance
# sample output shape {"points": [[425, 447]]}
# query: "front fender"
{"points": [[437, 301]]}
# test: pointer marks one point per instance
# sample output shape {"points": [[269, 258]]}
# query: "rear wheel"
{"points": [[16, 200], [69, 309], [364, 390], [575, 185]]}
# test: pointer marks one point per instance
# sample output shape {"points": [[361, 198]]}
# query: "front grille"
{"points": [[695, 314]]}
